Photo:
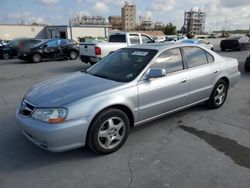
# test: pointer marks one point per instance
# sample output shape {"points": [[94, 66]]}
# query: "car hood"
{"points": [[66, 89]]}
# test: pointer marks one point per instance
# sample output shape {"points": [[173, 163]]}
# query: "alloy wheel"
{"points": [[111, 133], [220, 94]]}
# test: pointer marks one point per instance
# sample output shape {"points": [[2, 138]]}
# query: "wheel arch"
{"points": [[121, 107], [225, 79]]}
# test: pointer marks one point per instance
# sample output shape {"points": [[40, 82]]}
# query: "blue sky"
{"points": [[229, 14]]}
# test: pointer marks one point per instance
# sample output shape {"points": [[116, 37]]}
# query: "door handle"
{"points": [[215, 72], [183, 81]]}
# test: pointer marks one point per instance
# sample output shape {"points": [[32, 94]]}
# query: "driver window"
{"points": [[170, 60], [52, 43], [145, 39]]}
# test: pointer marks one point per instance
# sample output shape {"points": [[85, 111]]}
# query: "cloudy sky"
{"points": [[221, 14]]}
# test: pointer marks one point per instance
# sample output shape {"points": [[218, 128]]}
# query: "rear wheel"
{"points": [[73, 55], [6, 55], [36, 58], [108, 132], [223, 49], [219, 95]]}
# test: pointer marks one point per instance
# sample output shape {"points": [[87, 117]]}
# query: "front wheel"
{"points": [[108, 132], [219, 95], [36, 58]]}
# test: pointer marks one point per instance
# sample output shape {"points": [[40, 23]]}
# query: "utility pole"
{"points": [[21, 14]]}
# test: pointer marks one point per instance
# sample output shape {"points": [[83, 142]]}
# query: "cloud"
{"points": [[49, 2], [100, 7]]}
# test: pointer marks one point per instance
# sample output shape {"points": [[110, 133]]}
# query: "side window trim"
{"points": [[185, 59], [182, 59]]}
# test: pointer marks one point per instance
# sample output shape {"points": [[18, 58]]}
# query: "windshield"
{"points": [[123, 65], [40, 43]]}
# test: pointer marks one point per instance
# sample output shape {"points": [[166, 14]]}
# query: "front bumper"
{"points": [[54, 137]]}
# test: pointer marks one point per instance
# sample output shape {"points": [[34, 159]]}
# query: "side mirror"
{"points": [[45, 46], [156, 73], [208, 43]]}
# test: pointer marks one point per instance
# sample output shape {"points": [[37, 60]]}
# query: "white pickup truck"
{"points": [[94, 52]]}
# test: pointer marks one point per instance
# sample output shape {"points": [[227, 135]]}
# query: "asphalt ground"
{"points": [[194, 148]]}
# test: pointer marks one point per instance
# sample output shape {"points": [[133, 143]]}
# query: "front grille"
{"points": [[26, 108]]}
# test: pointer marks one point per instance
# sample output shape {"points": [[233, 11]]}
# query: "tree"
{"points": [[170, 29]]}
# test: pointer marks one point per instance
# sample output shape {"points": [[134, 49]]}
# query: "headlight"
{"points": [[50, 115]]}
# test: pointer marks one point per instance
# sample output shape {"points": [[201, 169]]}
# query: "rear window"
{"points": [[117, 38]]}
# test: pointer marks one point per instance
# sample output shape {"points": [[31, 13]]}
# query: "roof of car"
{"points": [[160, 46]]}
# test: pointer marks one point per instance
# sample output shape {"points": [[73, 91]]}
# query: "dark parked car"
{"points": [[16, 46], [247, 63], [50, 50], [235, 43]]}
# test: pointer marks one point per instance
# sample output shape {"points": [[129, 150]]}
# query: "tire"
{"points": [[108, 131], [223, 49], [36, 58], [212, 49], [247, 65], [6, 55], [92, 63], [218, 95], [73, 55]]}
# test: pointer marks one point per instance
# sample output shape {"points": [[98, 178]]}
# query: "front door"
{"points": [[161, 95]]}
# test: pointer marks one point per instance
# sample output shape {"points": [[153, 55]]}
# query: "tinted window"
{"points": [[145, 39], [134, 39], [117, 38], [195, 56], [52, 43], [210, 58], [122, 65], [62, 42], [170, 60], [201, 42]]}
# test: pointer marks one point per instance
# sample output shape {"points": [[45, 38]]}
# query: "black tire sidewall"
{"points": [[92, 137], [6, 55]]}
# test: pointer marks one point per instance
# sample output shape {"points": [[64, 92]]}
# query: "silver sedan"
{"points": [[131, 86]]}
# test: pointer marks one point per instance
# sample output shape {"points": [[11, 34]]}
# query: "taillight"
{"points": [[98, 50]]}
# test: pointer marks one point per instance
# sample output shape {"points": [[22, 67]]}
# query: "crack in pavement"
{"points": [[130, 168]]}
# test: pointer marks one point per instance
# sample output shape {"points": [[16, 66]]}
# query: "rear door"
{"points": [[202, 72], [51, 49], [160, 95]]}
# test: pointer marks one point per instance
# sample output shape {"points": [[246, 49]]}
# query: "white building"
{"points": [[9, 32], [194, 21]]}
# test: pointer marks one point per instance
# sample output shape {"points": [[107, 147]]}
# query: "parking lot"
{"points": [[197, 147]]}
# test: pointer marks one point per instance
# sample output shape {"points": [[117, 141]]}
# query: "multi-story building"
{"points": [[194, 21], [87, 20], [145, 23], [128, 17], [159, 26], [115, 22]]}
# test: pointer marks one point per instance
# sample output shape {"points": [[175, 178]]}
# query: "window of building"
{"points": [[170, 60], [195, 56]]}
